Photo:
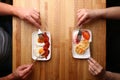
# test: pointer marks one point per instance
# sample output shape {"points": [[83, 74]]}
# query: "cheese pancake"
{"points": [[82, 46]]}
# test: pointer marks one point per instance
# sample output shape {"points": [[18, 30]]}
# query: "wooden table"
{"points": [[59, 18]]}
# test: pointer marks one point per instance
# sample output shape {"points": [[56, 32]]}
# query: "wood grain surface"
{"points": [[59, 18]]}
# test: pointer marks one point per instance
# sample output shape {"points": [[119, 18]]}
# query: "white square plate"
{"points": [[34, 44], [87, 52]]}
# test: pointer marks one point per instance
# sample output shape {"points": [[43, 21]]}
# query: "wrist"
{"points": [[12, 10], [100, 13], [15, 11], [12, 76], [102, 75], [108, 75]]}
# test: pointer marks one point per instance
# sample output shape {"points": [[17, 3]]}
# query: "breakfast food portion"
{"points": [[41, 45], [82, 46], [43, 38], [81, 43]]}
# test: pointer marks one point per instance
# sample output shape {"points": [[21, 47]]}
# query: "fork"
{"points": [[40, 33], [79, 36]]}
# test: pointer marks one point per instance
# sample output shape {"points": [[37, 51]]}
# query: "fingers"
{"points": [[31, 16], [27, 75], [28, 71], [94, 67], [28, 68], [36, 16], [82, 18], [91, 70], [94, 62], [23, 71], [33, 21], [80, 14], [35, 10], [22, 67]]}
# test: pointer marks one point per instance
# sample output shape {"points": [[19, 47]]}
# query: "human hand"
{"points": [[95, 68], [22, 72], [85, 16], [30, 15]]}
